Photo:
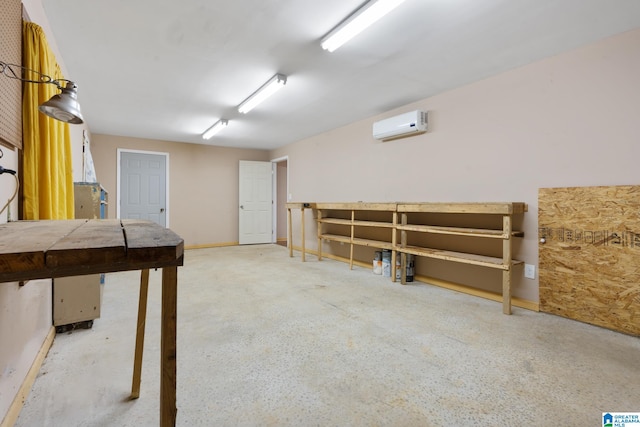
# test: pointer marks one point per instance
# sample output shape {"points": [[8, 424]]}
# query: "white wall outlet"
{"points": [[530, 271], [290, 196]]}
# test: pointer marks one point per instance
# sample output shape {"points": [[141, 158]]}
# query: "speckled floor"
{"points": [[266, 340]]}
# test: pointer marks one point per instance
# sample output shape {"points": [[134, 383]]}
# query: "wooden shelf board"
{"points": [[496, 234], [338, 221], [372, 243], [336, 238], [459, 231], [358, 206], [462, 257], [471, 208], [378, 224]]}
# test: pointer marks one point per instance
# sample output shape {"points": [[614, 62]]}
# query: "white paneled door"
{"points": [[255, 209], [143, 186]]}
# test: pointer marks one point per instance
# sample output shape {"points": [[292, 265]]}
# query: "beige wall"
{"points": [[203, 186], [569, 120], [25, 312], [25, 320]]}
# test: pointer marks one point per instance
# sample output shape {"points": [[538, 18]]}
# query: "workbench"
{"points": [[59, 248]]}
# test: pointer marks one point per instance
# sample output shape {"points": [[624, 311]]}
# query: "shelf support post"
{"points": [[403, 256], [394, 254], [319, 234], [506, 261], [353, 216]]}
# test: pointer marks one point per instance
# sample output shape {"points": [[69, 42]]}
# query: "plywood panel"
{"points": [[590, 258]]}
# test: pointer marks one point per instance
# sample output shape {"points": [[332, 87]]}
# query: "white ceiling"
{"points": [[168, 69]]}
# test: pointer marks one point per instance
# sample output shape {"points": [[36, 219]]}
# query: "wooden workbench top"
{"points": [[58, 248]]}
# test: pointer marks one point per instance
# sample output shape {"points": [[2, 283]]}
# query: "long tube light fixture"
{"points": [[266, 90], [357, 22], [217, 127]]}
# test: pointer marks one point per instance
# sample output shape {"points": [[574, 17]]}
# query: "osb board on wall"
{"points": [[590, 259], [11, 89]]}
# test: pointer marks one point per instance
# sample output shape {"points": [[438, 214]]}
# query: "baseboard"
{"points": [[14, 410], [515, 301], [223, 244], [212, 245]]}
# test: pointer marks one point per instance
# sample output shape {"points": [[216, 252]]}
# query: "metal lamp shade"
{"points": [[64, 106]]}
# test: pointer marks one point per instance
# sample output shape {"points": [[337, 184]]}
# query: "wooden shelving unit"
{"points": [[506, 234], [345, 219], [348, 219]]}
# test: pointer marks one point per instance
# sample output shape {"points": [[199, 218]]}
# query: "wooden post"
{"points": [[302, 233], [289, 233], [142, 314], [403, 259], [353, 216], [393, 246], [506, 261], [168, 347], [319, 235]]}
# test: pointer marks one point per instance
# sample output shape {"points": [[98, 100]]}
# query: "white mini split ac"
{"points": [[406, 124]]}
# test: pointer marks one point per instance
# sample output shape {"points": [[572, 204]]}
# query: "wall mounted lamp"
{"points": [[357, 22], [63, 106], [217, 127], [266, 90]]}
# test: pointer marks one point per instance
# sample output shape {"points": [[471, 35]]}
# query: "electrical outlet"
{"points": [[530, 271], [290, 196]]}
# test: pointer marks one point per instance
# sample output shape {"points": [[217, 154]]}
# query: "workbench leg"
{"points": [[142, 314], [289, 233], [168, 347]]}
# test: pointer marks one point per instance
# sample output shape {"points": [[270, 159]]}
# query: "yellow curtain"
{"points": [[46, 166]]}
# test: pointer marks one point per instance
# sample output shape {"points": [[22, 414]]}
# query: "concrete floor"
{"points": [[266, 340]]}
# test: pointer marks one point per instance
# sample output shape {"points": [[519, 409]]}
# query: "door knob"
{"points": [[161, 210], [241, 206]]}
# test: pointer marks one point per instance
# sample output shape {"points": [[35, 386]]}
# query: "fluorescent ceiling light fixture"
{"points": [[357, 22], [217, 127], [269, 88]]}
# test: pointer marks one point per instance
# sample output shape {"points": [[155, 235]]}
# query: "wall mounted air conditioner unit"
{"points": [[406, 124]]}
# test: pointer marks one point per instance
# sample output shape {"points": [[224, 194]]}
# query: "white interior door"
{"points": [[256, 202], [143, 186]]}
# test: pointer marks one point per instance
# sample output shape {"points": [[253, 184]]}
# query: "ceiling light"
{"points": [[269, 88], [358, 21], [217, 127], [63, 106]]}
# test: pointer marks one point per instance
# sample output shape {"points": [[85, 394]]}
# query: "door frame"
{"points": [[274, 183], [118, 180]]}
